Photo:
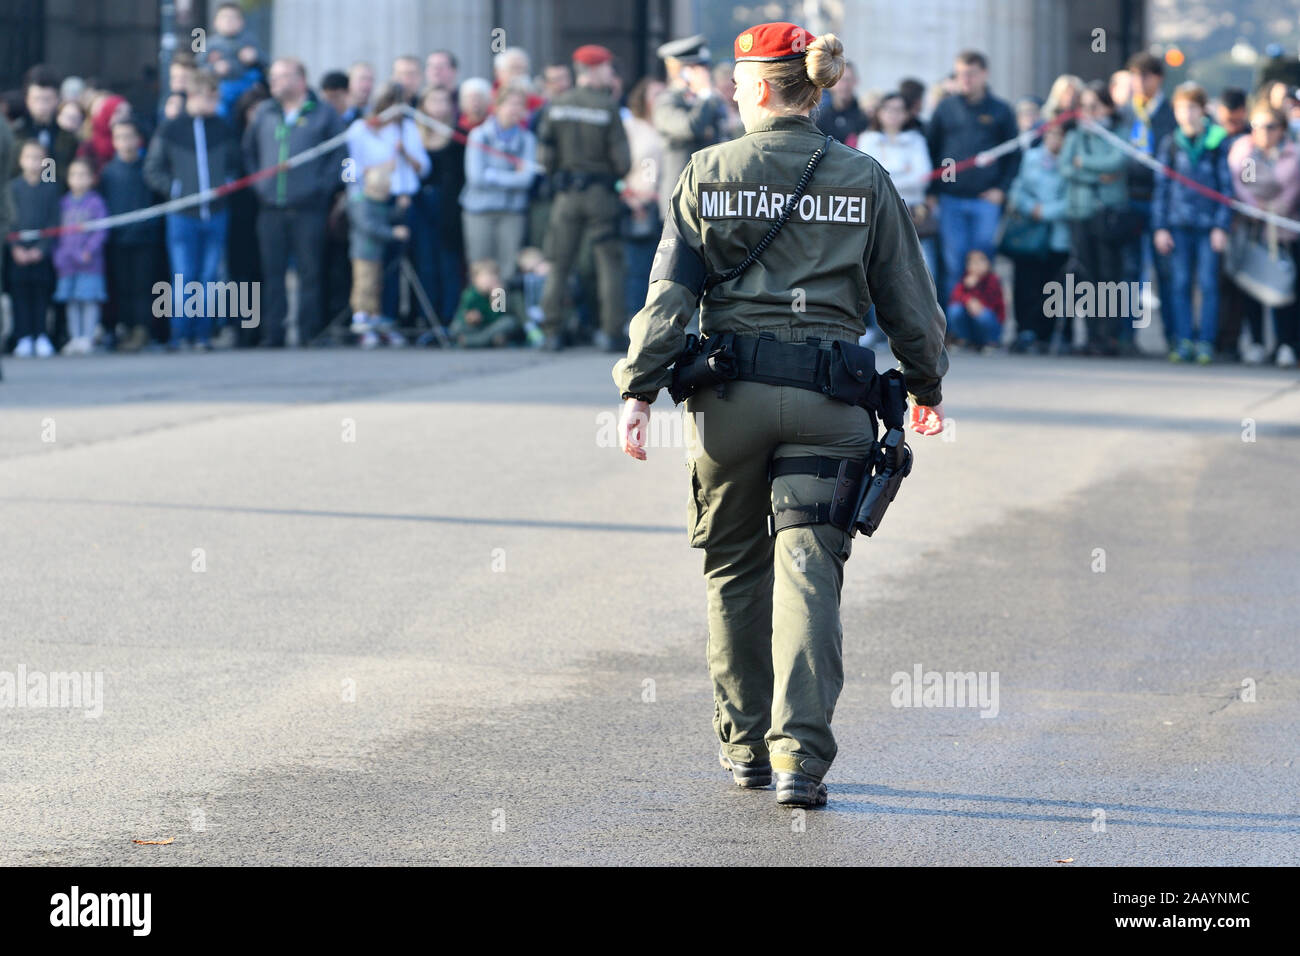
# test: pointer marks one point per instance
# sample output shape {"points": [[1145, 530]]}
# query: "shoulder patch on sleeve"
{"points": [[677, 262]]}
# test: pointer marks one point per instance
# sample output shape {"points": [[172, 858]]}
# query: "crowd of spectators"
{"points": [[433, 221]]}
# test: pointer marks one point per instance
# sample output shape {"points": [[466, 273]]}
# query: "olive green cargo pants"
{"points": [[774, 604], [593, 212]]}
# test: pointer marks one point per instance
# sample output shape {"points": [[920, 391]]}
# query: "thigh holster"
{"points": [[846, 372], [864, 487], [838, 511]]}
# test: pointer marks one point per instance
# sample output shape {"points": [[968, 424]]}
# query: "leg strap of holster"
{"points": [[819, 466], [838, 511]]}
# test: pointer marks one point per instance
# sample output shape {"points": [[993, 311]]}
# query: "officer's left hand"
{"points": [[632, 427]]}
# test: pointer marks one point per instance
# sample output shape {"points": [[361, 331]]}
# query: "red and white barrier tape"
{"points": [[216, 192], [186, 202], [983, 158], [1161, 169], [424, 119]]}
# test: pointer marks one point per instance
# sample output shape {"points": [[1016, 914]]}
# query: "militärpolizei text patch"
{"points": [[842, 204]]}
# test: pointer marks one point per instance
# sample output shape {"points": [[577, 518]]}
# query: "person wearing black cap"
{"points": [[583, 146], [689, 114], [784, 239]]}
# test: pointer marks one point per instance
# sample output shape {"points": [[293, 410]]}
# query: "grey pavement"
{"points": [[412, 607]]}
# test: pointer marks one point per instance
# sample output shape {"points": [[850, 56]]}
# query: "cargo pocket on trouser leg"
{"points": [[697, 510]]}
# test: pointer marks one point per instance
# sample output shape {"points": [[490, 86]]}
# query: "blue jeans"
{"points": [[1194, 260], [1138, 254], [636, 280], [930, 250], [964, 224], [979, 328], [194, 246]]}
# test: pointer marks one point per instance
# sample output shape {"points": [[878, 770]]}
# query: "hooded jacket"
{"points": [[1205, 161]]}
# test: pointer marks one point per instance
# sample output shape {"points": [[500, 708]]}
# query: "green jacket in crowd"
{"points": [[1085, 193], [480, 334]]}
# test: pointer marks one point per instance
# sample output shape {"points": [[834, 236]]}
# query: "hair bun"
{"points": [[825, 60]]}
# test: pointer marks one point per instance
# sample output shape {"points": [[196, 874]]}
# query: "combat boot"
{"points": [[799, 790], [751, 776]]}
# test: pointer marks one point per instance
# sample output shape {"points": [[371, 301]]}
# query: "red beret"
{"points": [[592, 55], [772, 41]]}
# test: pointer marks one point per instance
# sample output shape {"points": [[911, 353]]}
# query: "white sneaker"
{"points": [[70, 347], [394, 339], [369, 338], [43, 347], [1286, 357], [24, 347], [360, 322], [1254, 354]]}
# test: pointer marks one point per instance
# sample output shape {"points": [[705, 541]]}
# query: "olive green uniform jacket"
{"points": [[581, 132], [850, 243]]}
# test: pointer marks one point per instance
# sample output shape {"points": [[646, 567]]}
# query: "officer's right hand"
{"points": [[927, 419], [632, 427]]}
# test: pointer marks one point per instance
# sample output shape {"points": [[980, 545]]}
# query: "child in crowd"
{"points": [[370, 218], [533, 269], [79, 258], [71, 117], [976, 308], [132, 250], [233, 55], [477, 324], [34, 198], [1190, 227]]}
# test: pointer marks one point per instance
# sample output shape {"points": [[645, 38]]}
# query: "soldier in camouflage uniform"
{"points": [[774, 624], [583, 145]]}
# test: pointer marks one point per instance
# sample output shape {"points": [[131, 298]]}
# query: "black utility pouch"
{"points": [[852, 373], [703, 364]]}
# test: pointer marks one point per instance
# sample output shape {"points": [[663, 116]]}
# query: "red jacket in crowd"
{"points": [[988, 291], [101, 128]]}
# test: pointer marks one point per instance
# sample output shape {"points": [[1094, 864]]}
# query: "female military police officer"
{"points": [[774, 620]]}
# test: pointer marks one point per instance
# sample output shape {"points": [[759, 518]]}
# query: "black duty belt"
{"points": [[845, 371]]}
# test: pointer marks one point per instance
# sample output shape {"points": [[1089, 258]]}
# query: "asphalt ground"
{"points": [[439, 619]]}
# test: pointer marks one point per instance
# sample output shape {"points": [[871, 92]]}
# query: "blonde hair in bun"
{"points": [[825, 60], [799, 82]]}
